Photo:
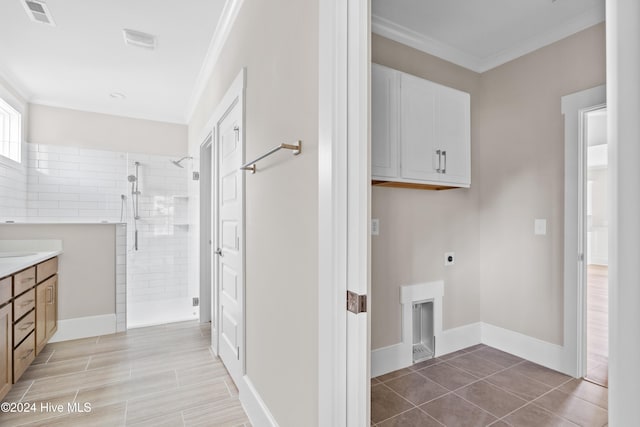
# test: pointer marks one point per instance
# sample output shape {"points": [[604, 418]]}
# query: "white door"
{"points": [[453, 135], [418, 143], [384, 121], [229, 239]]}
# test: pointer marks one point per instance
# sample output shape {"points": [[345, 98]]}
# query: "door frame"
{"points": [[235, 95], [207, 297], [344, 212], [574, 107]]}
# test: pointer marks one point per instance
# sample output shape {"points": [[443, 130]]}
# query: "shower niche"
{"points": [[424, 342]]}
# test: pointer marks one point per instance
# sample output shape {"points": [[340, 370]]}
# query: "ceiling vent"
{"points": [[139, 39], [38, 12]]}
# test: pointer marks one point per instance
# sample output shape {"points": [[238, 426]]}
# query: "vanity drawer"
{"points": [[24, 281], [47, 269], [5, 290], [23, 355], [24, 327], [23, 304]]}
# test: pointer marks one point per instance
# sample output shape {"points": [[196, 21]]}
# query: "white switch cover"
{"points": [[375, 227], [540, 227]]}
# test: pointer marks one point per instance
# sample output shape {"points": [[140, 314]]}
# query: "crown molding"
{"points": [[223, 28], [406, 36]]}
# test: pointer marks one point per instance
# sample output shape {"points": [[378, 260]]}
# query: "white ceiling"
{"points": [[482, 34], [83, 59]]}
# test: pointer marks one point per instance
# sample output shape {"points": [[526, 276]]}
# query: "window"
{"points": [[10, 131]]}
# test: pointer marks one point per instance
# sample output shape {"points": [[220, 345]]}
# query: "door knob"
{"points": [[219, 252]]}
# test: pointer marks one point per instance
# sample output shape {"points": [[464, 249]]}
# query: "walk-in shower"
{"points": [[178, 162]]}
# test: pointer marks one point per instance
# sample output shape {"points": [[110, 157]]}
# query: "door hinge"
{"points": [[238, 353], [356, 303], [195, 301]]}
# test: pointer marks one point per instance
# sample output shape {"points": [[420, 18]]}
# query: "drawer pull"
{"points": [[26, 303], [27, 354], [27, 326], [27, 280]]}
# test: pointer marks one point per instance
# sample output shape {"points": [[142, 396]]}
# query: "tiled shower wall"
{"points": [[71, 184]]}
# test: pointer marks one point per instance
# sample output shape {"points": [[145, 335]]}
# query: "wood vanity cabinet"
{"points": [[28, 318], [6, 345]]}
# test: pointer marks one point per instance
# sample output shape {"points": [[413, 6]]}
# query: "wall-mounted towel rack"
{"points": [[251, 166]]}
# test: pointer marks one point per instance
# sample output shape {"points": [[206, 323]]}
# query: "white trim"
{"points": [[253, 405], [83, 327], [573, 107], [223, 28], [553, 356], [401, 34], [332, 221], [398, 356], [541, 352]]}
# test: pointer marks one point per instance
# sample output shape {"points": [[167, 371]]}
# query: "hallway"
{"points": [[157, 376]]}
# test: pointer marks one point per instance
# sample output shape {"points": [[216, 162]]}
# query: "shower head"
{"points": [[132, 178], [177, 162]]}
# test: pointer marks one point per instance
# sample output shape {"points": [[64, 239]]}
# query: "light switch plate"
{"points": [[540, 227], [375, 227]]}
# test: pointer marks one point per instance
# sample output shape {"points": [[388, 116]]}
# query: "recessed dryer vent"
{"points": [[423, 336]]}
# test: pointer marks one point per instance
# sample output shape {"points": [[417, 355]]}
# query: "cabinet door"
{"points": [[52, 308], [6, 350], [41, 316], [453, 135], [384, 122], [418, 144]]}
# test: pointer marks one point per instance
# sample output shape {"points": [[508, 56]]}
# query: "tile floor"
{"points": [[157, 376], [482, 386]]}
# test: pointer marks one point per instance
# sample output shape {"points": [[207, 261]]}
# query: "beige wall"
{"points": [[520, 156], [87, 276], [62, 126], [417, 226], [277, 42], [504, 274]]}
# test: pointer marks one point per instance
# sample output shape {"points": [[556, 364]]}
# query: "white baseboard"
{"points": [[458, 338], [398, 356], [543, 353], [254, 406], [553, 356], [389, 359], [84, 327]]}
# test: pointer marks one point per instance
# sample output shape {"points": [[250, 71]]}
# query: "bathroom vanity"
{"points": [[28, 310]]}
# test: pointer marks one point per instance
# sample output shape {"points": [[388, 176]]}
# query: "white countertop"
{"points": [[13, 264], [16, 255]]}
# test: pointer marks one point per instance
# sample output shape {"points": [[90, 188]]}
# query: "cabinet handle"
{"points": [[50, 295], [26, 326], [27, 280], [439, 170], [444, 168], [27, 354], [26, 303]]}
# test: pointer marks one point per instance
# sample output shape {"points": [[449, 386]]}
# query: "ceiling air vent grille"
{"points": [[38, 11], [139, 39]]}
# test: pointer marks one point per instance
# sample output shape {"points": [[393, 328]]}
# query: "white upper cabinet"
{"points": [[384, 122], [420, 131]]}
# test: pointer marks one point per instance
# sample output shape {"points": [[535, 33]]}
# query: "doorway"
{"points": [[596, 220], [206, 218]]}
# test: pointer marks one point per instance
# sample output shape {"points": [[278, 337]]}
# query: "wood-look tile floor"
{"points": [[482, 386], [598, 324], [157, 376]]}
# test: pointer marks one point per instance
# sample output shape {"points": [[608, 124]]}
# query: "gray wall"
{"points": [[87, 267], [277, 41]]}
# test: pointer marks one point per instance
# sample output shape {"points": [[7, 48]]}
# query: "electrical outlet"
{"points": [[449, 258], [375, 227]]}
